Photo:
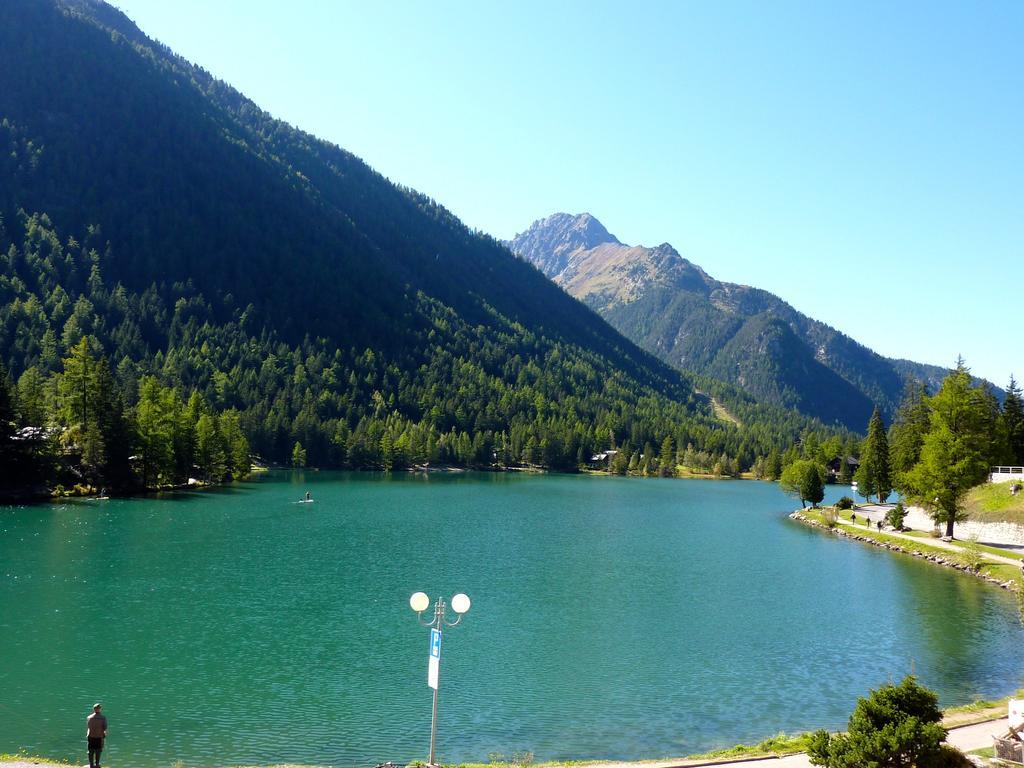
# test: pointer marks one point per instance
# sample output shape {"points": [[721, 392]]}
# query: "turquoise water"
{"points": [[612, 618]]}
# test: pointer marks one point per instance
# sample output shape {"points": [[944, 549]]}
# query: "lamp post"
{"points": [[419, 602]]}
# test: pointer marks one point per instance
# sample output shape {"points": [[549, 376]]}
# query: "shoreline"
{"points": [[28, 498], [921, 553], [957, 721]]}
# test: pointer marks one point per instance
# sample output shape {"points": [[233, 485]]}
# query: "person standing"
{"points": [[95, 733]]}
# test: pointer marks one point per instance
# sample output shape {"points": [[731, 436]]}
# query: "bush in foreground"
{"points": [[897, 726]]}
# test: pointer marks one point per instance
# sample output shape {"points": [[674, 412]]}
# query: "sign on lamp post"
{"points": [[419, 602], [434, 661]]}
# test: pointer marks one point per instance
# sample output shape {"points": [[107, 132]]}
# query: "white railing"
{"points": [[1005, 474]]}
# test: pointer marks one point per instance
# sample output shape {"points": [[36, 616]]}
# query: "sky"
{"points": [[862, 160]]}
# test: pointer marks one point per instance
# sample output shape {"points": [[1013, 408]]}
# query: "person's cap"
{"points": [[97, 705]]}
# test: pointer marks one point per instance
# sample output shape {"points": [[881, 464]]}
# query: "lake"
{"points": [[612, 618]]}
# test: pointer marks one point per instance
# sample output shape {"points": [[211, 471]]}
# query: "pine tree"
{"points": [[32, 398], [9, 463], [1012, 418], [804, 480], [874, 475], [667, 458], [908, 430], [155, 432], [896, 726], [954, 450], [298, 456], [210, 454]]}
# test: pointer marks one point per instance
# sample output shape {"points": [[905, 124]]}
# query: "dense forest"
{"points": [[466, 396], [221, 274]]}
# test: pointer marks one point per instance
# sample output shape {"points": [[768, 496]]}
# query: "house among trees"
{"points": [[835, 467], [601, 458]]}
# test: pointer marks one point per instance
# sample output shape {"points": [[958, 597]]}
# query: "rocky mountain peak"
{"points": [[550, 242]]}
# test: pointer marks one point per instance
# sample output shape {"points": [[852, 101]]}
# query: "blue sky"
{"points": [[865, 161]]}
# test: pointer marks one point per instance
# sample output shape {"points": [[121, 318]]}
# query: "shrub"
{"points": [[845, 503], [970, 554], [895, 516], [830, 516], [897, 725]]}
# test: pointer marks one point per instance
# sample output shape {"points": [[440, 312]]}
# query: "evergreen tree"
{"points": [[954, 451], [210, 454], [115, 429], [647, 460], [81, 408], [897, 726], [1013, 424], [619, 464], [873, 475], [238, 458], [906, 436], [32, 397], [804, 479], [667, 458], [10, 464], [634, 462], [184, 418], [155, 433]]}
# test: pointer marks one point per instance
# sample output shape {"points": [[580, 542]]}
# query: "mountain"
{"points": [[674, 309], [185, 234]]}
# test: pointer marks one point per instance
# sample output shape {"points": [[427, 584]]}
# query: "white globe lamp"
{"points": [[419, 602], [460, 603]]}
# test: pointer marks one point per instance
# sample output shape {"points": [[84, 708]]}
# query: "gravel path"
{"points": [[875, 516]]}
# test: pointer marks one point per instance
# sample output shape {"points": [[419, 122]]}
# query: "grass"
{"points": [[983, 547], [977, 711], [1001, 552], [779, 744], [992, 503]]}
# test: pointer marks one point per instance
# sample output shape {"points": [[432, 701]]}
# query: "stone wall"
{"points": [[987, 533]]}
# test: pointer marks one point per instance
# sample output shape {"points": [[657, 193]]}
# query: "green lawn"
{"points": [[992, 503], [983, 547]]}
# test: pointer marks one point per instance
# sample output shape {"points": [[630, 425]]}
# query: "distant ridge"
{"points": [[742, 335]]}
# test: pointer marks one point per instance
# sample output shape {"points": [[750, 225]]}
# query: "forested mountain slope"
{"points": [[735, 333], [184, 233]]}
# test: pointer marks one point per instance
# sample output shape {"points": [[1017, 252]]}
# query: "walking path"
{"points": [[875, 516], [876, 512]]}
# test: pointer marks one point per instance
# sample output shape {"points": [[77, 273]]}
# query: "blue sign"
{"points": [[435, 643]]}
